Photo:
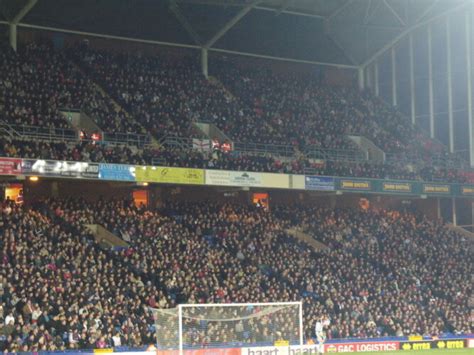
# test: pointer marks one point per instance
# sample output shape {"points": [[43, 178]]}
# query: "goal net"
{"points": [[206, 326]]}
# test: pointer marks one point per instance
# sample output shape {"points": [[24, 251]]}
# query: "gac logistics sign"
{"points": [[169, 175], [433, 344], [320, 183], [362, 346], [117, 172], [401, 187], [10, 166], [436, 189], [355, 185], [60, 168]]}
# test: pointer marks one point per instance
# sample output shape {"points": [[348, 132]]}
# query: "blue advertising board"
{"points": [[321, 183], [117, 172]]}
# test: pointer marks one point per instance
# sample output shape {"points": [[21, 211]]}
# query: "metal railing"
{"points": [[41, 133], [275, 150], [127, 138], [66, 134], [336, 154], [440, 160], [281, 150]]}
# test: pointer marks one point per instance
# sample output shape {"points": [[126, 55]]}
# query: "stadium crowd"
{"points": [[164, 96], [383, 273], [38, 82]]}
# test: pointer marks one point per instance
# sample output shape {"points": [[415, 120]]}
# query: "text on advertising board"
{"points": [[361, 346], [436, 189], [320, 183], [10, 166], [467, 190], [396, 186], [169, 175], [356, 185], [433, 344], [233, 178], [118, 172], [60, 168]]}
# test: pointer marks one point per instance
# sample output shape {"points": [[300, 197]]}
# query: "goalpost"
{"points": [[232, 325]]}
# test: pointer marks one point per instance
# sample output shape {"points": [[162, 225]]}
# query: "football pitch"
{"points": [[434, 351]]}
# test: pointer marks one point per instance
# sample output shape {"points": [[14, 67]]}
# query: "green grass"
{"points": [[428, 352]]}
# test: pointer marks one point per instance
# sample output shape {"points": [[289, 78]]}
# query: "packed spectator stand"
{"points": [[383, 273], [165, 95]]}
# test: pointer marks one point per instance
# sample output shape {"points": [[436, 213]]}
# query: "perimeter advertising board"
{"points": [[361, 346], [10, 166], [233, 178], [433, 344], [397, 187], [436, 189], [355, 185], [467, 190], [117, 172], [56, 168], [319, 183], [169, 175], [281, 350]]}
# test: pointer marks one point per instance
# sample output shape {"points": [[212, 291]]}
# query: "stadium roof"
{"points": [[342, 32]]}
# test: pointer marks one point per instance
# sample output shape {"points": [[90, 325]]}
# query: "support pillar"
{"points": [[16, 20], [204, 62], [467, 20], [368, 77], [360, 78], [412, 82], [453, 208], [450, 86], [394, 77], [430, 84], [376, 77], [438, 207], [13, 35]]}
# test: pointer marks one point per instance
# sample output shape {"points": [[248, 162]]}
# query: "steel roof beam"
{"points": [[182, 45], [290, 12], [427, 10], [369, 14], [174, 8], [339, 10], [231, 23], [284, 5], [283, 59], [412, 28], [22, 13], [392, 10]]}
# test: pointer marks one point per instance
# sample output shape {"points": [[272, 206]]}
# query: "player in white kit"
{"points": [[321, 323]]}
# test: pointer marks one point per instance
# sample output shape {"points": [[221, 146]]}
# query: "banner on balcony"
{"points": [[10, 166], [320, 183], [117, 172], [60, 168], [169, 175]]}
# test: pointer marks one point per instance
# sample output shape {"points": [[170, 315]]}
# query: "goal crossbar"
{"points": [[192, 305]]}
